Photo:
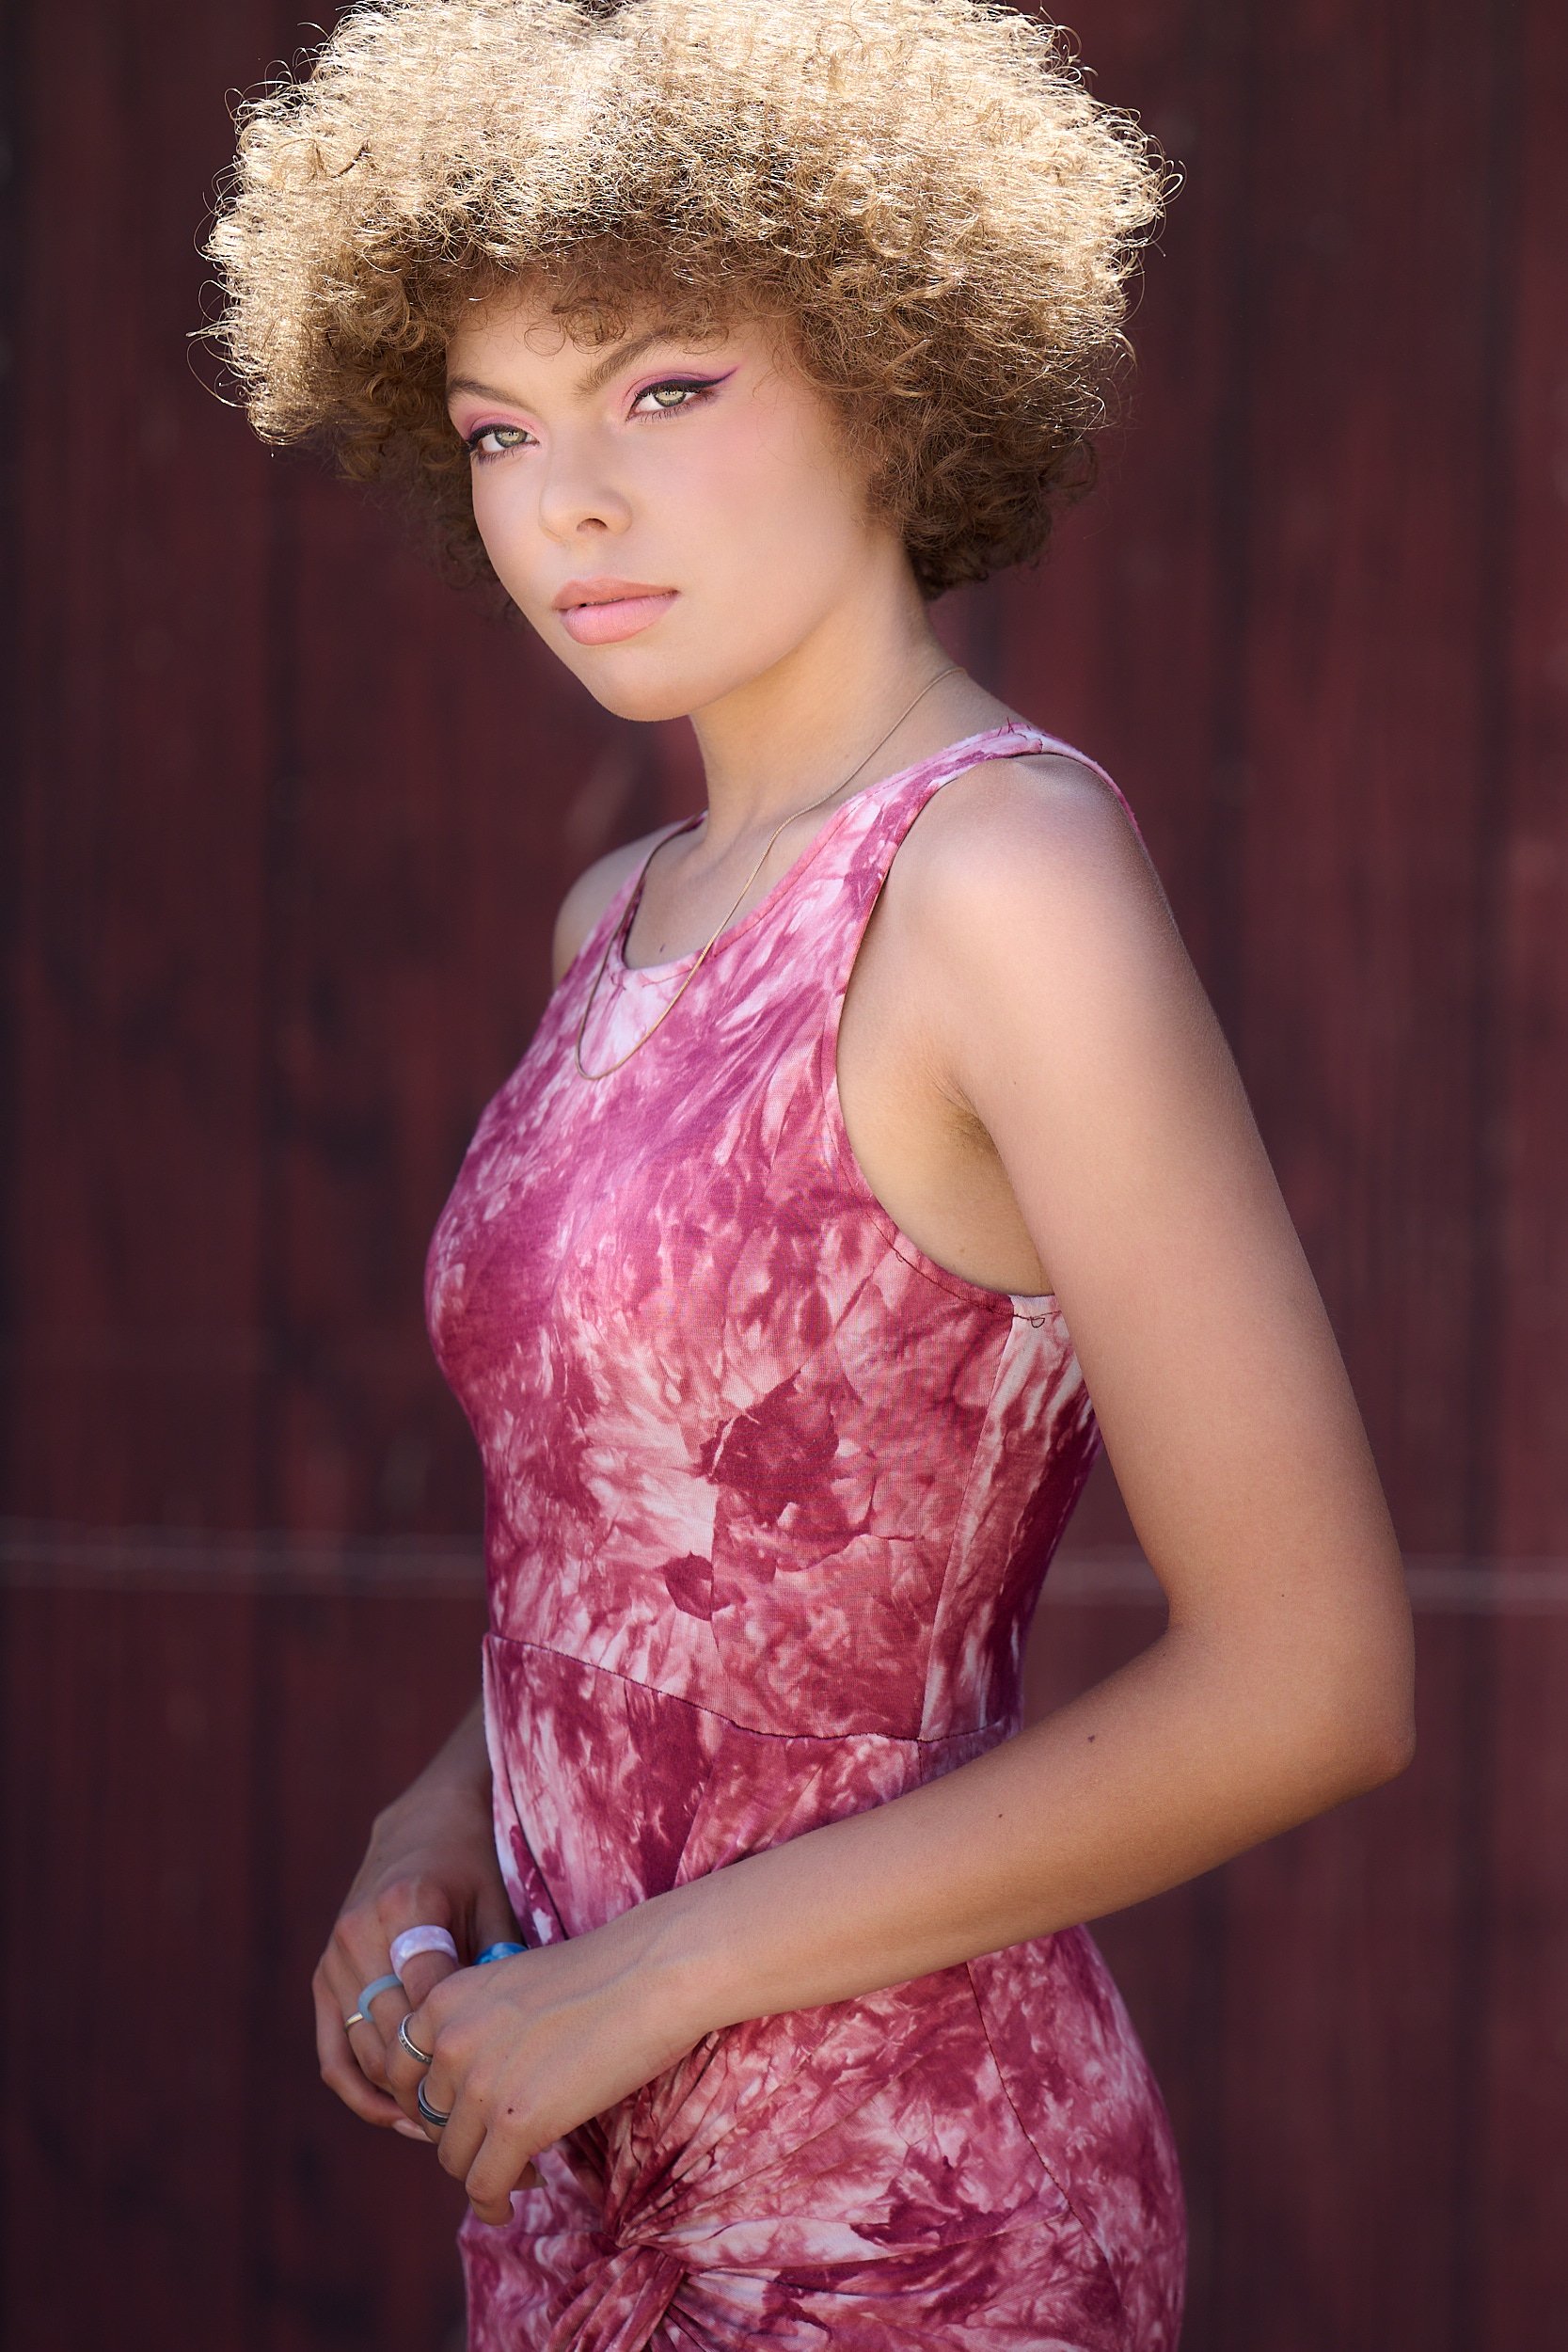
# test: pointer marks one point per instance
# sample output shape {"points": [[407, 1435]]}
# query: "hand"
{"points": [[432, 1860], [528, 2048]]}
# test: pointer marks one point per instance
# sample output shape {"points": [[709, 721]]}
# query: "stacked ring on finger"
{"points": [[359, 2018], [423, 1939], [420, 2058], [372, 1991], [432, 2116]]}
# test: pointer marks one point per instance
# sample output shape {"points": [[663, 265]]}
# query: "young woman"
{"points": [[877, 1158]]}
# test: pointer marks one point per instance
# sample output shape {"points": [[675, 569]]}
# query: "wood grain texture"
{"points": [[143, 751], [135, 1358], [288, 826], [1522, 2097], [1363, 735]]}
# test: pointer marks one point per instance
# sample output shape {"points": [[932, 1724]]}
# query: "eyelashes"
{"points": [[698, 391], [485, 434]]}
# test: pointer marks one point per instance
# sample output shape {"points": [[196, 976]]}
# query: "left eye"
{"points": [[670, 397]]}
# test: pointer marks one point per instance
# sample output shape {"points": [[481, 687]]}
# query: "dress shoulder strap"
{"points": [[1069, 750], [893, 810], [891, 813]]}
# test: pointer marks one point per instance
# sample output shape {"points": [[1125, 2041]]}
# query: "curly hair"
{"points": [[923, 193]]}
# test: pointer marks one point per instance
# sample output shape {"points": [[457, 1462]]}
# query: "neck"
{"points": [[803, 726]]}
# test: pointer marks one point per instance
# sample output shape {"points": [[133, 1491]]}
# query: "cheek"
{"points": [[762, 502], [505, 521]]}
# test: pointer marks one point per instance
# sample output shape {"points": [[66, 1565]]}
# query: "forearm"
{"points": [[1163, 1771], [460, 1767]]}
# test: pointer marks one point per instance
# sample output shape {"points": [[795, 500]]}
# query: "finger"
{"points": [[498, 2167], [349, 1968], [339, 2062], [422, 1974], [463, 2138], [383, 2014], [338, 2040], [400, 2072], [412, 2047], [444, 2104]]}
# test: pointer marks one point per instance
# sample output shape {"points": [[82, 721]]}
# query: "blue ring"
{"points": [[377, 1984], [499, 1952]]}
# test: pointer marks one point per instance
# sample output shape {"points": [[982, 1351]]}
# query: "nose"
{"points": [[578, 494]]}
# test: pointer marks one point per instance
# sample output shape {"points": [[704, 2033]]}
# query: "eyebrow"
{"points": [[592, 380]]}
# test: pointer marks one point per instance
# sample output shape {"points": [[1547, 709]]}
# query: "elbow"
{"points": [[1382, 1755], [1351, 1728], [1366, 1683], [1367, 1731], [1330, 1756], [1387, 1712]]}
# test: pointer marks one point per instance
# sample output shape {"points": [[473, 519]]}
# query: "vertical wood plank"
{"points": [[126, 1737], [133, 1364], [142, 769], [1364, 810], [1522, 2166]]}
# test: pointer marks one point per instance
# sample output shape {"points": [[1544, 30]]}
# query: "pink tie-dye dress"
{"points": [[769, 1498]]}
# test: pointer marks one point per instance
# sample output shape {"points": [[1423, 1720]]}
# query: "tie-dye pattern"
{"points": [[770, 1498]]}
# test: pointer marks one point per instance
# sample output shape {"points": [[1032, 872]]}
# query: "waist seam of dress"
{"points": [[817, 1739]]}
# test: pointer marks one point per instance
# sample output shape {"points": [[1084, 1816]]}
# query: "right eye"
{"points": [[491, 433]]}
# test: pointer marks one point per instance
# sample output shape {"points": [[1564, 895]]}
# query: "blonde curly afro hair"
{"points": [[922, 193]]}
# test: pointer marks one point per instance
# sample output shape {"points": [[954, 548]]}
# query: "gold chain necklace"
{"points": [[637, 893]]}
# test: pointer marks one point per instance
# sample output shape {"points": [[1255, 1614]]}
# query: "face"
{"points": [[674, 519]]}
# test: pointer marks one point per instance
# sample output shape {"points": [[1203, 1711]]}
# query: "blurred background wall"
{"points": [[285, 827]]}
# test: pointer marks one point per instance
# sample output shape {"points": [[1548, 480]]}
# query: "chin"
{"points": [[646, 684], [648, 698]]}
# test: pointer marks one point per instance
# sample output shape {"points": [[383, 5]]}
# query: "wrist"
{"points": [[460, 1770], [676, 1954], [451, 1803]]}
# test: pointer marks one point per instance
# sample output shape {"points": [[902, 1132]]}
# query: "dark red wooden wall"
{"points": [[285, 828]]}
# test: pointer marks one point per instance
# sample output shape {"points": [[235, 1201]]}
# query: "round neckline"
{"points": [[776, 890]]}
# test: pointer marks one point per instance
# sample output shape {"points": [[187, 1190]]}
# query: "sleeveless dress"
{"points": [[769, 1496]]}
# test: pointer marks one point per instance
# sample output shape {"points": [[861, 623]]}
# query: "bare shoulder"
{"points": [[1037, 842], [592, 893]]}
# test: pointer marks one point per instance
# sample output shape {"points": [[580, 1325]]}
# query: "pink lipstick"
{"points": [[601, 612]]}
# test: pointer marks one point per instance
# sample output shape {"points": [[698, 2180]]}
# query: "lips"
{"points": [[601, 612]]}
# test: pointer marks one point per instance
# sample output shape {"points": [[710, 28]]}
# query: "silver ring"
{"points": [[420, 2058], [432, 2116], [359, 2018]]}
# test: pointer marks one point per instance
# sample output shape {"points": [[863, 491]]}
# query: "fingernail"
{"points": [[410, 2130]]}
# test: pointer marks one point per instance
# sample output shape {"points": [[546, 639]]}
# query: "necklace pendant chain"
{"points": [[709, 945]]}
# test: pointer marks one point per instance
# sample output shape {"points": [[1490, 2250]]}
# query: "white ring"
{"points": [[414, 1940]]}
